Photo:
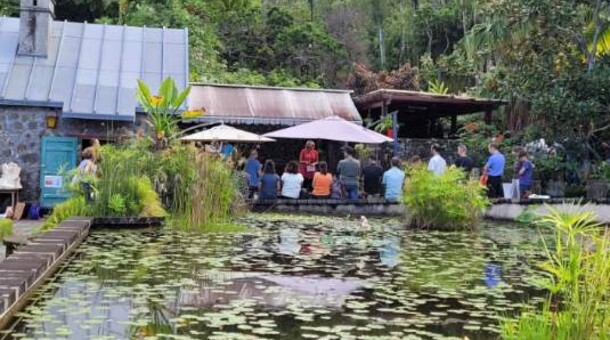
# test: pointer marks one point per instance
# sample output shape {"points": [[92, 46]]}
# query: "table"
{"points": [[14, 196]]}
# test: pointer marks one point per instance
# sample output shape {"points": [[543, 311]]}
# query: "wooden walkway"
{"points": [[27, 268]]}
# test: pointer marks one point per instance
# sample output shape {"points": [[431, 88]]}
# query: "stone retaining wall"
{"points": [[511, 212], [377, 207], [27, 268]]}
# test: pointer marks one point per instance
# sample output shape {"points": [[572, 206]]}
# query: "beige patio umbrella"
{"points": [[225, 133]]}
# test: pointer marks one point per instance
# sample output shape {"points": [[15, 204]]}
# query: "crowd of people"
{"points": [[309, 177], [493, 170]]}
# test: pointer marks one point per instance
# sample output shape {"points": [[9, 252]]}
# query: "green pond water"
{"points": [[290, 278]]}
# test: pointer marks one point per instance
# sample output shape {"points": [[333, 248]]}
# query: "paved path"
{"points": [[26, 228]]}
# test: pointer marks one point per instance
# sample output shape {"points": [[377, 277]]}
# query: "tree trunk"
{"points": [[381, 47]]}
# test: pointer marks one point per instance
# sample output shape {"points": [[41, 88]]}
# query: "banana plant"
{"points": [[163, 108]]}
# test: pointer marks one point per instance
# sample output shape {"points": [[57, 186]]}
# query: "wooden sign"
{"points": [[19, 211]]}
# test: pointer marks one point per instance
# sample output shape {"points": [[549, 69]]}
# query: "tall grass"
{"points": [[578, 270], [446, 202], [199, 191], [209, 199]]}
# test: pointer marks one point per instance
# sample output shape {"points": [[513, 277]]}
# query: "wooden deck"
{"points": [[27, 268]]}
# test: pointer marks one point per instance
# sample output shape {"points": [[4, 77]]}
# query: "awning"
{"points": [[242, 104]]}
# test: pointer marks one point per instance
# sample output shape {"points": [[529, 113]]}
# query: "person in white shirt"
{"points": [[437, 164], [292, 181]]}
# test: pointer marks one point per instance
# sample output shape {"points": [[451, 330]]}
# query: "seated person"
{"points": [[371, 177], [292, 181], [393, 181], [322, 182], [270, 182]]}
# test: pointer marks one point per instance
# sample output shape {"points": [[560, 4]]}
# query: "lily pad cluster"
{"points": [[289, 278]]}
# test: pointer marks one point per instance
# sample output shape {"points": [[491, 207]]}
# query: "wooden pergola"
{"points": [[415, 110]]}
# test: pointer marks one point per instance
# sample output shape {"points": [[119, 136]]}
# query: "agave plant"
{"points": [[164, 107]]}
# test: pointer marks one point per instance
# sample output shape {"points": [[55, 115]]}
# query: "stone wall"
{"points": [[21, 131]]}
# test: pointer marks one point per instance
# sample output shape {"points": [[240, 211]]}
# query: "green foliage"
{"points": [[6, 228], [163, 108], [601, 171], [384, 124], [437, 87], [578, 269], [447, 202], [116, 204], [209, 198], [75, 206]]}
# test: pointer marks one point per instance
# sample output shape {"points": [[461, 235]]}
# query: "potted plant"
{"points": [[598, 185], [385, 125]]}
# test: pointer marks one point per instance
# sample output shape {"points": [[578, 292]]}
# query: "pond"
{"points": [[290, 277]]}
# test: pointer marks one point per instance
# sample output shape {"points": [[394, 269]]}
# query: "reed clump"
{"points": [[578, 269]]}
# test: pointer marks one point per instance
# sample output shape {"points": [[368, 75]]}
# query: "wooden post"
{"points": [[488, 115], [453, 131], [395, 133]]}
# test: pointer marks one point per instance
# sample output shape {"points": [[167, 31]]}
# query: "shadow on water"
{"points": [[290, 278]]}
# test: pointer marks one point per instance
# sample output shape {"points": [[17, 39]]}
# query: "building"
{"points": [[423, 118], [64, 83], [263, 109]]}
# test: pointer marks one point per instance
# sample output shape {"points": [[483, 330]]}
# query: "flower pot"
{"points": [[390, 133], [597, 189]]}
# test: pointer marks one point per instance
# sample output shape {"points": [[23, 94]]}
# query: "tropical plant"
{"points": [[445, 202], [163, 108], [578, 269], [384, 124], [437, 87], [6, 228]]}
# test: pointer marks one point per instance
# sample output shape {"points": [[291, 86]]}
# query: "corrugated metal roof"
{"points": [[241, 104], [91, 70]]}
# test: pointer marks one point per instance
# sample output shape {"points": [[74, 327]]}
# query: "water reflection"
{"points": [[288, 280]]}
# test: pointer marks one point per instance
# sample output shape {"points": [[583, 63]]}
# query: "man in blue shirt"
{"points": [[495, 170], [227, 151], [393, 181]]}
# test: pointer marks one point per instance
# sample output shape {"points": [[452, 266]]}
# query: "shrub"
{"points": [[447, 202], [6, 228]]}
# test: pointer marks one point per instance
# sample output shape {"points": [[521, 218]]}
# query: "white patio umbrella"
{"points": [[332, 128], [225, 133]]}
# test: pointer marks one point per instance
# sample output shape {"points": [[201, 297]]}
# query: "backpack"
{"points": [[336, 190]]}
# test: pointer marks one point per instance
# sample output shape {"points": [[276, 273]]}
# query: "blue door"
{"points": [[57, 154]]}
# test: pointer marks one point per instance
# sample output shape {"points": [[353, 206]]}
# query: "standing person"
{"points": [[495, 170], [270, 182], [371, 177], [227, 151], [437, 164], [526, 175], [292, 181], [308, 159], [393, 181], [349, 173], [322, 182], [86, 169], [253, 169], [464, 161], [515, 186]]}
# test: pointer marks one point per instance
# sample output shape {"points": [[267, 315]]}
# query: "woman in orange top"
{"points": [[322, 182], [308, 159]]}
